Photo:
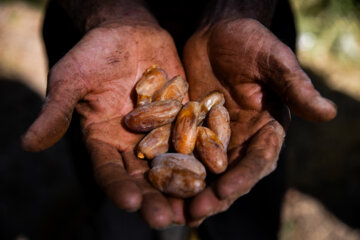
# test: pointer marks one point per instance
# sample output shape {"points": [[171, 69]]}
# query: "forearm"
{"points": [[87, 14], [261, 10]]}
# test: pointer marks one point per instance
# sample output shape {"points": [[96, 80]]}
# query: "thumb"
{"points": [[285, 76], [55, 116]]}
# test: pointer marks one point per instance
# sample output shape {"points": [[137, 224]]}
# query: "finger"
{"points": [[195, 223], [112, 177], [201, 206], [259, 160], [55, 117], [284, 75], [206, 204], [155, 208], [177, 206], [134, 165]]}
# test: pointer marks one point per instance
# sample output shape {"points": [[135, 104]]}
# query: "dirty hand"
{"points": [[97, 77], [260, 77]]}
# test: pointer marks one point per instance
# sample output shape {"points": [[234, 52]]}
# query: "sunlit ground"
{"points": [[22, 54], [331, 50]]}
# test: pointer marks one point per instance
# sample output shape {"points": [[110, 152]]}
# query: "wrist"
{"points": [[89, 14], [224, 11], [124, 15]]}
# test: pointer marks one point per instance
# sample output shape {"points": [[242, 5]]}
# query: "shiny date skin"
{"points": [[155, 143], [178, 175], [211, 150], [152, 115], [185, 129]]}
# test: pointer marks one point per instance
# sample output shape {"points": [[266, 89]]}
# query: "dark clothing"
{"points": [[254, 216]]}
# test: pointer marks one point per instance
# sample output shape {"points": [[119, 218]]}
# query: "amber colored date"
{"points": [[211, 150], [152, 115], [219, 122], [153, 79], [212, 99], [176, 88], [155, 143], [172, 126], [185, 129], [177, 174]]}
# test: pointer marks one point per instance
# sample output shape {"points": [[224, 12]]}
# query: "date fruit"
{"points": [[176, 88], [212, 99], [219, 122], [152, 115], [153, 79], [211, 150], [175, 127], [155, 143], [177, 174], [185, 129]]}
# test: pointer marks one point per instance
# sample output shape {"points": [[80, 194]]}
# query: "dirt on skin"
{"points": [[22, 56]]}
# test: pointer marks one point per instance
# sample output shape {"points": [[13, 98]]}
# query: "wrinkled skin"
{"points": [[241, 58], [260, 78], [97, 78]]}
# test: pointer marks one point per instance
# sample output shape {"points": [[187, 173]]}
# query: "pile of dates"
{"points": [[179, 135]]}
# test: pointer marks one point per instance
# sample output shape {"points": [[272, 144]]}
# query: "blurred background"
{"points": [[323, 160]]}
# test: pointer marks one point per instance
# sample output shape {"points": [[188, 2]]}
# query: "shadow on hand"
{"points": [[323, 159], [52, 194]]}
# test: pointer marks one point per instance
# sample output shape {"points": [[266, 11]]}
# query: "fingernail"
{"points": [[196, 223]]}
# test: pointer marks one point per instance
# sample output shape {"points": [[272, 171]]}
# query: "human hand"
{"points": [[97, 77], [259, 76]]}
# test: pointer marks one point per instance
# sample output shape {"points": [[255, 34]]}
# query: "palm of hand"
{"points": [[107, 63], [252, 68], [97, 77]]}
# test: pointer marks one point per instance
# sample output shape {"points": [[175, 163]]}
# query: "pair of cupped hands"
{"points": [[259, 76]]}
